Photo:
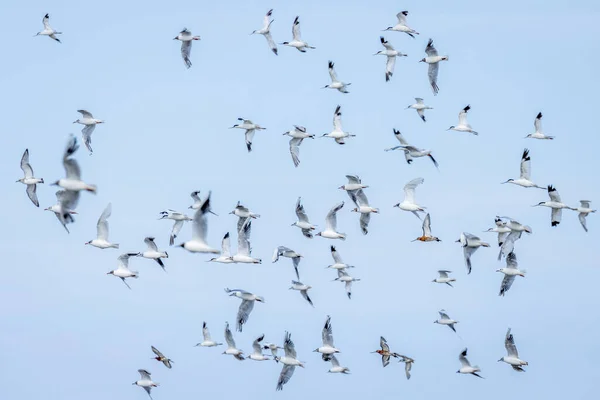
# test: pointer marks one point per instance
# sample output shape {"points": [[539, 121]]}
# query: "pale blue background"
{"points": [[69, 331]]}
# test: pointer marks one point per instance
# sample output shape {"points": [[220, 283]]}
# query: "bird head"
{"points": [[54, 183], [88, 242], [76, 121], [452, 127], [354, 209], [509, 180], [110, 273], [422, 60], [260, 298]]}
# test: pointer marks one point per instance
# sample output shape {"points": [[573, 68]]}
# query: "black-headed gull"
{"points": [[207, 340], [359, 198], [73, 180], [153, 253], [335, 366], [510, 273], [123, 270], [445, 320], [411, 152], [303, 223], [555, 204], [246, 305], [433, 59], [401, 25], [466, 367], [244, 215], [186, 38], [283, 251], [244, 249], [225, 256], [48, 31], [29, 179], [470, 243], [338, 133], [145, 382], [297, 41], [584, 209], [409, 203], [231, 347], [330, 231], [303, 289], [444, 278], [179, 219], [266, 31], [257, 349], [65, 208], [289, 361], [199, 230], [513, 355], [525, 176], [250, 128], [343, 276], [328, 348], [101, 240], [420, 107], [89, 123]]}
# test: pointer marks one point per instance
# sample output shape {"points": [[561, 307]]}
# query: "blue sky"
{"points": [[69, 330]]}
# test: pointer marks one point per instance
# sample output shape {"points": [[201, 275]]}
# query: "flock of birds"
{"points": [[507, 229]]}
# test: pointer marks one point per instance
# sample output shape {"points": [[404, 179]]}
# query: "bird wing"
{"points": [[304, 294], [362, 198], [175, 231], [205, 332], [150, 243], [462, 116], [509, 243], [300, 213], [102, 225], [556, 216], [334, 361], [507, 282], [432, 73], [385, 43], [409, 189], [538, 123], [336, 256], [46, 22], [249, 135], [85, 114], [443, 314], [199, 224], [295, 150], [86, 133], [427, 225], [525, 165], [509, 343], [226, 246], [145, 375], [296, 29], [419, 100], [443, 274], [244, 240], [383, 344], [407, 367], [553, 193], [400, 138], [389, 65], [229, 336], [271, 42], [331, 219], [194, 195], [288, 346], [468, 251], [284, 377], [430, 50], [31, 193], [585, 203], [25, 166], [327, 333], [511, 260], [337, 119], [402, 17], [463, 359], [353, 179], [267, 19], [581, 215], [244, 312], [67, 199], [256, 346], [365, 218], [155, 351], [332, 74], [348, 287]]}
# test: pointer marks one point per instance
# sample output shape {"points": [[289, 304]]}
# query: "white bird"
{"points": [[463, 124], [244, 215], [179, 219], [445, 320], [335, 366], [420, 107], [199, 229], [516, 230], [244, 250], [409, 204], [427, 236], [246, 306], [343, 276], [273, 347], [525, 177], [555, 204], [303, 223], [303, 289], [48, 31], [289, 253], [391, 55], [161, 357], [250, 128], [65, 208], [101, 240], [73, 180], [153, 253], [510, 273], [231, 348], [538, 134], [433, 59], [470, 243], [354, 183], [299, 132], [466, 367], [408, 362], [29, 179], [225, 256], [513, 355], [411, 152], [362, 206], [289, 361], [266, 31], [207, 342], [89, 123], [330, 231], [401, 25], [501, 229], [186, 45], [297, 41], [195, 195], [123, 270], [444, 278], [337, 260], [328, 348], [335, 83], [584, 209], [257, 354], [145, 381], [338, 133]]}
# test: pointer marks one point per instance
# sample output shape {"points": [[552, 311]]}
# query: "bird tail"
{"points": [[343, 236], [92, 188], [135, 275], [115, 246], [484, 244]]}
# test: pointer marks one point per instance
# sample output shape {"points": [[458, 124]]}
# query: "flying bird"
{"points": [[246, 306], [29, 179], [89, 124], [354, 183], [303, 223], [289, 361], [257, 354], [470, 243], [427, 236], [303, 289], [411, 152], [337, 260], [463, 124], [401, 25], [466, 367], [338, 133], [225, 256], [250, 128], [525, 176], [123, 270], [48, 31], [160, 357], [385, 352], [584, 209], [555, 204], [408, 362], [391, 55], [335, 83], [501, 229], [516, 230], [65, 208], [513, 355], [244, 214], [335, 366], [283, 251], [409, 203], [101, 240], [186, 39], [445, 320], [297, 41], [510, 273], [231, 348], [266, 31], [330, 231], [420, 107], [538, 134], [328, 348], [244, 250], [207, 342], [145, 382], [433, 59], [444, 278], [153, 253], [343, 276], [359, 198], [179, 219], [73, 180], [199, 230]]}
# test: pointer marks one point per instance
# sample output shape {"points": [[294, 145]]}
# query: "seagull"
{"points": [[338, 134], [231, 349], [266, 31], [208, 342], [525, 177], [328, 347], [555, 204], [186, 45], [470, 243], [225, 256], [510, 273], [65, 208], [408, 362], [538, 134], [420, 107], [48, 31], [343, 276], [445, 320], [289, 253], [433, 60], [335, 84], [401, 25], [246, 306], [411, 152], [160, 357], [362, 206], [123, 270], [513, 355], [354, 183], [145, 381], [443, 278], [466, 367], [303, 223], [289, 361], [101, 240], [463, 124], [517, 230], [197, 200], [427, 237], [299, 132], [153, 253], [179, 219], [335, 366], [303, 289], [244, 215], [29, 179], [501, 229], [408, 204], [89, 123], [391, 55], [250, 128], [583, 210], [199, 229], [257, 354], [273, 347], [337, 260], [385, 352], [73, 180], [330, 231], [244, 249], [297, 42]]}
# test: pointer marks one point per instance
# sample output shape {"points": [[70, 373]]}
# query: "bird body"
{"points": [[48, 30], [330, 231], [28, 179], [463, 124], [186, 38], [297, 41], [401, 25]]}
